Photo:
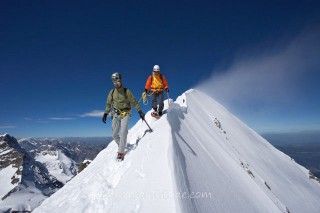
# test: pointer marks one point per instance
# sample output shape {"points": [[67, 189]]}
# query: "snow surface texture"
{"points": [[6, 175], [199, 158]]}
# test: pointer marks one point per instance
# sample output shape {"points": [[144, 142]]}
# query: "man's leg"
{"points": [[123, 133], [154, 101], [160, 101], [116, 128]]}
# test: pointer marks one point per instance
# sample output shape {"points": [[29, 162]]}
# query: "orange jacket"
{"points": [[155, 83]]}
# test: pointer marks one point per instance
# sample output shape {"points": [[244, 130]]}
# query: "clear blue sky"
{"points": [[56, 58]]}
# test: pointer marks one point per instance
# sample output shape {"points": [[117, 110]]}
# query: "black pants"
{"points": [[157, 99]]}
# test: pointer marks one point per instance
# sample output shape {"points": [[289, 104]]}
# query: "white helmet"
{"points": [[116, 77], [156, 68]]}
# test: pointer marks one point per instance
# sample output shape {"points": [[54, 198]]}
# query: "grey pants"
{"points": [[157, 98], [120, 130]]}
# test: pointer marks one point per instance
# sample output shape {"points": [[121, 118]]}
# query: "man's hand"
{"points": [[104, 118]]}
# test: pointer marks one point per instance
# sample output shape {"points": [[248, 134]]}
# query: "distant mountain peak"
{"points": [[31, 169], [7, 137], [20, 174]]}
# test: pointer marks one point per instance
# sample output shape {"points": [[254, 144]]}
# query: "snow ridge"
{"points": [[110, 186], [199, 158]]}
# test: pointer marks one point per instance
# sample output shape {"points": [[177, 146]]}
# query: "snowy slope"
{"points": [[129, 186], [9, 165], [24, 183], [245, 172], [58, 164], [199, 158], [6, 175]]}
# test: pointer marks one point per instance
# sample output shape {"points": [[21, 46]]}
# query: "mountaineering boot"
{"points": [[160, 113], [154, 114], [120, 156]]}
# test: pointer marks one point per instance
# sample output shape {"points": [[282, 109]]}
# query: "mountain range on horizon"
{"points": [[32, 169], [199, 158]]}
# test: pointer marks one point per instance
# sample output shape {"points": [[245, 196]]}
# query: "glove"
{"points": [[104, 118], [142, 115], [147, 91], [167, 89]]}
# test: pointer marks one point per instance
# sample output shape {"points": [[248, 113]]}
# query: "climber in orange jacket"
{"points": [[157, 83]]}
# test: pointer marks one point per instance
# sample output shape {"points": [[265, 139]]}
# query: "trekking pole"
{"points": [[147, 125]]}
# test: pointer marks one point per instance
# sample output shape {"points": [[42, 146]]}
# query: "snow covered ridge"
{"points": [[199, 158]]}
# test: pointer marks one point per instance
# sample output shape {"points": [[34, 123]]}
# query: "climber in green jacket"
{"points": [[120, 99]]}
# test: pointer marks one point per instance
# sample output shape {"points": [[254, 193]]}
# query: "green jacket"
{"points": [[118, 100]]}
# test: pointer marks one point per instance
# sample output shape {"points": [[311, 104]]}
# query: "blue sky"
{"points": [[56, 58]]}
